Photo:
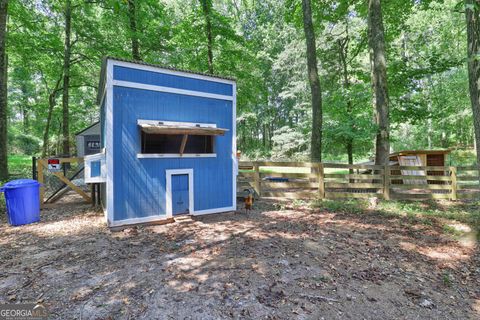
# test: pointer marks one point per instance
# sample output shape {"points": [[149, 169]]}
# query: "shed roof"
{"points": [[414, 152], [101, 83], [181, 129], [85, 129]]}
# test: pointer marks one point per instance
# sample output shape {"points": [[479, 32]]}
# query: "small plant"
{"points": [[451, 230], [447, 280], [297, 203]]}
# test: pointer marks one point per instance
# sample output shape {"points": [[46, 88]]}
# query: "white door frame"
{"points": [[168, 191]]}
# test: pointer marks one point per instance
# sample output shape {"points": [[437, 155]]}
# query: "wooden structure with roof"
{"points": [[423, 158]]}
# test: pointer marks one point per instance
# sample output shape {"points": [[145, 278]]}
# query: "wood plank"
{"points": [[288, 175], [72, 186], [277, 164], [290, 195], [245, 183], [421, 168], [321, 180], [353, 166], [422, 186], [286, 185], [409, 196], [245, 164], [468, 186], [257, 180], [468, 168], [468, 178], [352, 185], [428, 178], [184, 143], [347, 195], [40, 179], [386, 183], [355, 176], [247, 174], [453, 175], [473, 195]]}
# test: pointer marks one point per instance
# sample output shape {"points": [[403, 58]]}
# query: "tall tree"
{"points": [[3, 90], [207, 9], [472, 13], [315, 88], [343, 53], [132, 17], [66, 78], [376, 35]]}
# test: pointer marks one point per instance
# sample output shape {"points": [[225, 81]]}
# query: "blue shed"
{"points": [[168, 143]]}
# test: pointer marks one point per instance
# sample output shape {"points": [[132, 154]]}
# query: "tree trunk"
{"points": [[472, 13], [207, 8], [343, 46], [52, 97], [379, 81], [25, 107], [132, 17], [316, 90], [3, 91], [66, 79]]}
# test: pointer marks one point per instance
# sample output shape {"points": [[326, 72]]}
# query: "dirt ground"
{"points": [[288, 263]]}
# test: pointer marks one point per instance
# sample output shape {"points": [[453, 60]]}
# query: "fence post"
{"points": [[257, 179], [453, 174], [321, 180], [386, 182], [34, 168], [40, 180]]}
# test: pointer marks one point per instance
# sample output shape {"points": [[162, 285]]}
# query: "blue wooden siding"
{"points": [[171, 81], [180, 200], [140, 183], [95, 169]]}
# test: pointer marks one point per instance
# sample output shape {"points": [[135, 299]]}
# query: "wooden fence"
{"points": [[42, 169], [303, 180]]}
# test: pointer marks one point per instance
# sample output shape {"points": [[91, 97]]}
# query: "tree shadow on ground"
{"points": [[279, 264]]}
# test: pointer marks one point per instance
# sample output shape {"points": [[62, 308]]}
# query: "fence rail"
{"points": [[298, 180]]}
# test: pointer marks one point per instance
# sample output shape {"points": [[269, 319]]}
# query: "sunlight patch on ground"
{"points": [[440, 253], [69, 227]]}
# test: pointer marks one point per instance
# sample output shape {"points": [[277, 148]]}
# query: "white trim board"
{"points": [[168, 190], [234, 148], [129, 221], [109, 146], [159, 69], [214, 210], [142, 86], [177, 123], [125, 222], [174, 155]]}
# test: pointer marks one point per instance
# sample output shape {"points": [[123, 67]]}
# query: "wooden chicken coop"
{"points": [[430, 158]]}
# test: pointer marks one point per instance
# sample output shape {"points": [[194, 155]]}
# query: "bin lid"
{"points": [[20, 183]]}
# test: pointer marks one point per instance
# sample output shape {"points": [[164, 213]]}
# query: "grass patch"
{"points": [[414, 211], [20, 166]]}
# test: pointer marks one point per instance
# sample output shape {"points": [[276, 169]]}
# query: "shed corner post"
{"points": [[256, 167], [321, 180], [386, 182], [453, 177]]}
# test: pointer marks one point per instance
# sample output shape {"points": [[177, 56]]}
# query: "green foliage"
{"points": [[261, 44], [289, 144], [21, 143]]}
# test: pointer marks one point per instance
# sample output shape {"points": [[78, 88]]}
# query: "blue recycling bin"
{"points": [[23, 201]]}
